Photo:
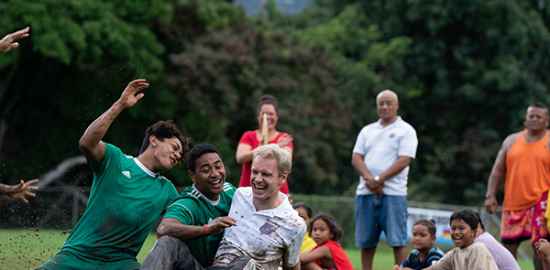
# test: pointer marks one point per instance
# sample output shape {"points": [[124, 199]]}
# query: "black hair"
{"points": [[197, 152], [480, 222], [331, 223], [470, 217], [430, 224], [539, 104], [166, 130], [267, 99], [305, 207]]}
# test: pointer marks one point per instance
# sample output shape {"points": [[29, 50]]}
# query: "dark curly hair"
{"points": [[166, 130], [197, 152], [331, 223], [470, 217]]}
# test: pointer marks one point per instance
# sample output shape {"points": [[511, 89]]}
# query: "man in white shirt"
{"points": [[267, 228], [381, 157]]}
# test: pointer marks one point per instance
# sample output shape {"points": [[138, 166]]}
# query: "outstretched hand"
{"points": [[24, 188], [130, 95], [284, 140], [7, 43], [218, 224]]}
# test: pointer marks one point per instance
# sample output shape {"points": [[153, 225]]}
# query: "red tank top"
{"points": [[528, 173], [341, 260]]}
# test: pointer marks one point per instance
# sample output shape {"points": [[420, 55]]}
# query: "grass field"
{"points": [[26, 249]]}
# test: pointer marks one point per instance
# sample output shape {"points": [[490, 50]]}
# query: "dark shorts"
{"points": [[374, 214]]}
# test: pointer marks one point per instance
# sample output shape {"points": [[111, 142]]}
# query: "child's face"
{"points": [[461, 233], [321, 232], [421, 238], [303, 214]]}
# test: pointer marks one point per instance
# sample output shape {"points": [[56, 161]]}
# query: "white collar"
{"points": [[147, 171], [210, 201]]}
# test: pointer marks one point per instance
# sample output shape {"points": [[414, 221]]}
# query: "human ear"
{"points": [[192, 175]]}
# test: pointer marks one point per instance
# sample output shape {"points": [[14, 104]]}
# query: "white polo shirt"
{"points": [[263, 235], [381, 147]]}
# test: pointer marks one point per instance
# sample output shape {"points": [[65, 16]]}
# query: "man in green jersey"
{"points": [[128, 193], [192, 227]]}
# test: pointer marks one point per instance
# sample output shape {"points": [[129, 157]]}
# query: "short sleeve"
{"points": [[247, 139], [295, 246], [359, 147], [111, 157], [172, 194], [406, 263], [408, 144], [445, 263], [182, 209], [434, 257]]}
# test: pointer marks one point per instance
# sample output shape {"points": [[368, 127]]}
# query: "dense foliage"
{"points": [[464, 71]]}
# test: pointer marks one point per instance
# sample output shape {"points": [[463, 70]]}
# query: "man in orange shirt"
{"points": [[524, 158]]}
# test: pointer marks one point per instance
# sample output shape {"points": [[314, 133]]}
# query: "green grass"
{"points": [[26, 249]]}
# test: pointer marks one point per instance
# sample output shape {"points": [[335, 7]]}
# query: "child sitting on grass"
{"points": [[467, 254], [424, 252], [304, 211], [328, 253]]}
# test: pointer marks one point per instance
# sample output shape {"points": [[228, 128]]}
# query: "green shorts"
{"points": [[66, 260]]}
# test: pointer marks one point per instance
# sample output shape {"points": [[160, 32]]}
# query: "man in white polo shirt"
{"points": [[381, 157], [267, 228]]}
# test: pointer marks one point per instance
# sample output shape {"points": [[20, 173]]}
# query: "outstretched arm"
{"points": [[20, 190], [173, 227], [497, 174], [90, 144], [7, 43]]}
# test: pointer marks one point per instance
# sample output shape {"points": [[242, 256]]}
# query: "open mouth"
{"points": [[216, 183], [173, 161]]}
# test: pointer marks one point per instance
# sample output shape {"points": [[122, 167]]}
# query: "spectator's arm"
{"points": [[497, 174], [401, 163]]}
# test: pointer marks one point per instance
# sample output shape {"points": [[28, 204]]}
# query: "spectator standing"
{"points": [[381, 157], [252, 139], [524, 158]]}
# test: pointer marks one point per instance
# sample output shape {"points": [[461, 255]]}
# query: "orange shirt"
{"points": [[528, 173]]}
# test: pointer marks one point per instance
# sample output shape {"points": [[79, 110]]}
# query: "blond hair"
{"points": [[273, 151]]}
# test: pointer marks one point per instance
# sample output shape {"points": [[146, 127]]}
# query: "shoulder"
{"points": [[436, 252], [478, 247], [229, 190], [511, 139], [250, 133]]}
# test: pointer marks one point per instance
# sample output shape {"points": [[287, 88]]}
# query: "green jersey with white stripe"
{"points": [[192, 208]]}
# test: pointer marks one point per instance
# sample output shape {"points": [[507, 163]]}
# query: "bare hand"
{"points": [[374, 186], [7, 43], [130, 95], [491, 205], [24, 188], [284, 140], [396, 267], [543, 248], [218, 224]]}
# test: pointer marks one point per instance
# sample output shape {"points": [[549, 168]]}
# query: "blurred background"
{"points": [[465, 72]]}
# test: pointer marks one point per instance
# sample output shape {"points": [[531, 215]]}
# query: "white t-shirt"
{"points": [[381, 147], [264, 235]]}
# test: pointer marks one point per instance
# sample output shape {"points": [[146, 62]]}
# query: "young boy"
{"points": [[467, 254]]}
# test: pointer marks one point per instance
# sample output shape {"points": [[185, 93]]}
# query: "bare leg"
{"points": [[513, 248], [400, 254], [311, 266], [367, 257]]}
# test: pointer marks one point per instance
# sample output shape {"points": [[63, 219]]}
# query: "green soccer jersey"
{"points": [[192, 208], [125, 201]]}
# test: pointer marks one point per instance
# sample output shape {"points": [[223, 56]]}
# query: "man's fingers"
{"points": [[30, 194]]}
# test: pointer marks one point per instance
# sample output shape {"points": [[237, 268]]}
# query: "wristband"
{"points": [[204, 229]]}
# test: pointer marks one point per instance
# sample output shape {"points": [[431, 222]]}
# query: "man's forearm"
{"points": [[99, 127], [398, 166], [5, 189], [360, 167], [495, 182], [182, 232]]}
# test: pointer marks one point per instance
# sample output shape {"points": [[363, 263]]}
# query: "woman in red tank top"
{"points": [[252, 139]]}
